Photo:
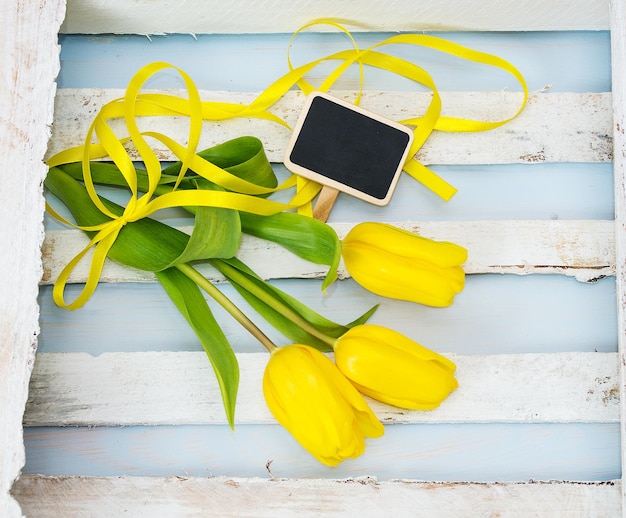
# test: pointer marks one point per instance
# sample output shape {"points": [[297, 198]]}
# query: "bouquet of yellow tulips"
{"points": [[320, 402], [227, 188]]}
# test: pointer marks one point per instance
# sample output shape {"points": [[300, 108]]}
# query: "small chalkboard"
{"points": [[345, 147]]}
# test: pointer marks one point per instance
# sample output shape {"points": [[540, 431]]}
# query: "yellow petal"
{"points": [[391, 368], [317, 405], [402, 278], [401, 242], [369, 424], [394, 339]]}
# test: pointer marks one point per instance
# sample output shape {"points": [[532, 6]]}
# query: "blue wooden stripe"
{"points": [[538, 191], [494, 314], [566, 61], [542, 191], [472, 452]]}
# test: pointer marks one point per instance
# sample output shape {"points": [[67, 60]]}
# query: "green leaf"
{"points": [[105, 173], [306, 237], [191, 303], [274, 304], [145, 244], [363, 318], [216, 233], [148, 244], [243, 156]]}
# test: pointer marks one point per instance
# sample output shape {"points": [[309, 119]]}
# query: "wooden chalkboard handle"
{"points": [[324, 203]]}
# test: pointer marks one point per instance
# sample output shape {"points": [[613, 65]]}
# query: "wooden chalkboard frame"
{"points": [[348, 148]]}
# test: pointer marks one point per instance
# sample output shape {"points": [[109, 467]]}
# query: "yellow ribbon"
{"points": [[244, 198], [432, 118], [141, 206]]}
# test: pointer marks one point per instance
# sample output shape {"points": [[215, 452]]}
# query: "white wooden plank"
{"points": [[364, 497], [240, 16], [558, 127], [618, 53], [580, 248], [126, 389], [29, 61]]}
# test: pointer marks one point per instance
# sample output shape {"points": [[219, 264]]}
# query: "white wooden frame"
{"points": [[30, 63], [30, 53]]}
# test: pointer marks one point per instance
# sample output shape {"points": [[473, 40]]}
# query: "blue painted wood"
{"points": [[541, 191], [567, 61], [538, 191], [472, 452], [494, 314]]}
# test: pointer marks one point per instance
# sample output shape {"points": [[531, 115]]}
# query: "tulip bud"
{"points": [[389, 367], [398, 264], [308, 395]]}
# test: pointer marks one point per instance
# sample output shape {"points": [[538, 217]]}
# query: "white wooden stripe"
{"points": [[618, 53], [366, 497], [30, 62], [580, 248], [179, 388], [558, 127], [197, 16]]}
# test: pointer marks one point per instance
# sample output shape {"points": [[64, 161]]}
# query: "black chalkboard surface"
{"points": [[348, 148]]}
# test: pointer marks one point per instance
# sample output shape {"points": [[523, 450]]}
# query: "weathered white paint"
{"points": [[76, 389], [50, 496], [271, 498], [558, 127], [618, 52], [196, 16], [29, 61], [580, 248]]}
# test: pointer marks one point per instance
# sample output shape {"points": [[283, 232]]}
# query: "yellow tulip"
{"points": [[308, 395], [389, 367], [398, 264]]}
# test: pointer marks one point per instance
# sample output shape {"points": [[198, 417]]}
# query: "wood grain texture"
{"points": [[30, 62], [126, 389], [618, 50], [482, 453], [583, 249], [256, 497], [324, 203], [196, 16], [559, 127], [562, 246]]}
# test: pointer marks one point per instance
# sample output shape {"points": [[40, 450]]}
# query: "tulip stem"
{"points": [[234, 275], [227, 304]]}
